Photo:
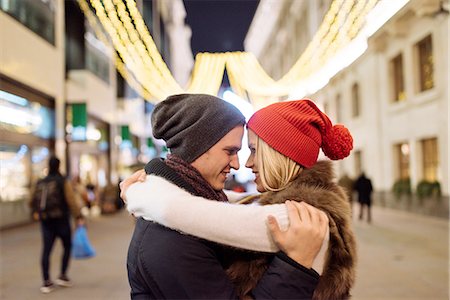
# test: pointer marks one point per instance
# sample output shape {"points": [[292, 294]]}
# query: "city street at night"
{"points": [[271, 99]]}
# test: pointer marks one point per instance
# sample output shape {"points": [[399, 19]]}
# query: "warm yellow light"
{"points": [[142, 66]]}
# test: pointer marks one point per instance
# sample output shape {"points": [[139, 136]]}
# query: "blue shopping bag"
{"points": [[81, 247]]}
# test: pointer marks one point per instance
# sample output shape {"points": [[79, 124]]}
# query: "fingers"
{"points": [[142, 175], [294, 214], [319, 219], [138, 176]]}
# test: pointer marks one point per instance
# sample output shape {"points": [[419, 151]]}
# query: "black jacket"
{"points": [[363, 186], [165, 264]]}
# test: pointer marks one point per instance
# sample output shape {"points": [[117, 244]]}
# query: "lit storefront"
{"points": [[27, 129], [88, 146]]}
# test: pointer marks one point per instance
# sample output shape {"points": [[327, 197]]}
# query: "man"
{"points": [[363, 186], [204, 134], [51, 200]]}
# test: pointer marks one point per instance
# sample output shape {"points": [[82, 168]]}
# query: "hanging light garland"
{"points": [[142, 66]]}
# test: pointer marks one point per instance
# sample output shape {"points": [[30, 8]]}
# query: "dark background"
{"points": [[219, 25]]}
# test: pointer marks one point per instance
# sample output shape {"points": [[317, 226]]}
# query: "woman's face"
{"points": [[252, 162]]}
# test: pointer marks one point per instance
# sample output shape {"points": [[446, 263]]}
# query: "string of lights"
{"points": [[143, 67], [120, 66]]}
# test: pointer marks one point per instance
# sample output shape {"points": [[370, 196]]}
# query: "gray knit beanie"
{"points": [[192, 123]]}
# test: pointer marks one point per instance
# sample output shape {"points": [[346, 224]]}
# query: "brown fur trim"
{"points": [[315, 187]]}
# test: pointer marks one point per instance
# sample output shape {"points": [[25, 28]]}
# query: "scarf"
{"points": [[192, 176]]}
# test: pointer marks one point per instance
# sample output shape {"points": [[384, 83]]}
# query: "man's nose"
{"points": [[234, 163]]}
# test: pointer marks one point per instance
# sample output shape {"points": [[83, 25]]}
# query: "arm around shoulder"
{"points": [[242, 226]]}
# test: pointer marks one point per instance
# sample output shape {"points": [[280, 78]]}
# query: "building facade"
{"points": [[394, 98], [60, 94]]}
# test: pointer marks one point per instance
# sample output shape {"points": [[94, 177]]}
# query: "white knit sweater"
{"points": [[241, 226]]}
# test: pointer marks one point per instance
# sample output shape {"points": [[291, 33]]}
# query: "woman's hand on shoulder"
{"points": [[138, 176], [304, 237]]}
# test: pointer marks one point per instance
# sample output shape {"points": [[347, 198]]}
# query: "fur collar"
{"points": [[316, 186]]}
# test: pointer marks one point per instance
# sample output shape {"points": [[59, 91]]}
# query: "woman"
{"points": [[284, 139]]}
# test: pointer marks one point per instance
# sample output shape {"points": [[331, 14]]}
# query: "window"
{"points": [[426, 64], [22, 115], [97, 60], [338, 109], [358, 162], [398, 85], [355, 100], [402, 159], [430, 159], [37, 15]]}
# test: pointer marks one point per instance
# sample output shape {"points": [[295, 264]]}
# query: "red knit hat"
{"points": [[298, 129]]}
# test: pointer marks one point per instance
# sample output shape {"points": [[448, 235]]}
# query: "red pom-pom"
{"points": [[337, 142]]}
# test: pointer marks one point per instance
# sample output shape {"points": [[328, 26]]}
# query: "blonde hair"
{"points": [[276, 170]]}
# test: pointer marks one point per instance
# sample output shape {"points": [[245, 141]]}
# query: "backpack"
{"points": [[49, 198]]}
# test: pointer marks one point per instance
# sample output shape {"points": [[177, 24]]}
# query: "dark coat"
{"points": [[163, 263], [363, 186], [315, 186]]}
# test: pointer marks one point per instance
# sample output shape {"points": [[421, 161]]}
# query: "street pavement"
{"points": [[401, 256]]}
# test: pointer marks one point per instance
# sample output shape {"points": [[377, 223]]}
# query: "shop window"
{"points": [[18, 114], [358, 162], [14, 177], [37, 15], [355, 100], [430, 159], [398, 85], [425, 63], [402, 159]]}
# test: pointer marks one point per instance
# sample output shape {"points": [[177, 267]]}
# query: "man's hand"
{"points": [[80, 221], [138, 176], [304, 237]]}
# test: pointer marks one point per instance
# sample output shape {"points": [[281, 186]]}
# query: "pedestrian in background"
{"points": [[363, 186], [52, 201]]}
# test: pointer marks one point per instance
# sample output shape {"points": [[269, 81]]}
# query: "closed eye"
{"points": [[232, 151]]}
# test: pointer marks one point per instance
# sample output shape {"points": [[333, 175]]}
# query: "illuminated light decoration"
{"points": [[139, 46], [345, 29], [149, 43], [128, 54], [93, 134], [41, 155], [121, 68]]}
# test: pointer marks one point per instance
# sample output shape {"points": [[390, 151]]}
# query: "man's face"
{"points": [[216, 163]]}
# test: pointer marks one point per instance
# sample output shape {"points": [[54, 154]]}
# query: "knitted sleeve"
{"points": [[241, 226]]}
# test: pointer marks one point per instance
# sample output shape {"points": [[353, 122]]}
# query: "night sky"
{"points": [[219, 25]]}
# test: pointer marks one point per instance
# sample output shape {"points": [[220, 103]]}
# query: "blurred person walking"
{"points": [[52, 201], [363, 186]]}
